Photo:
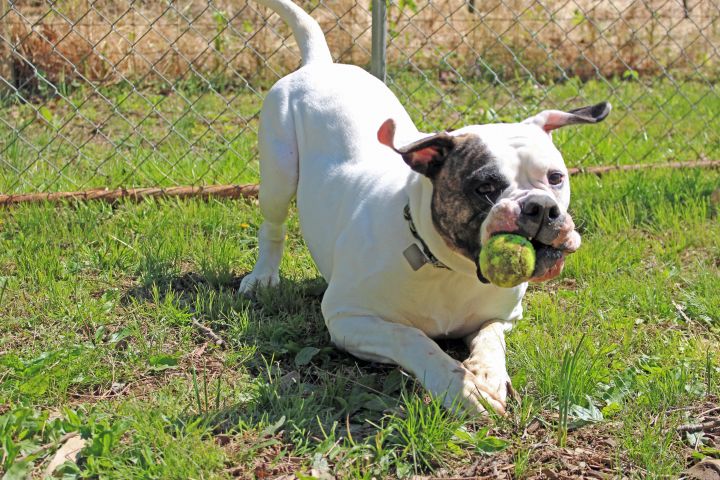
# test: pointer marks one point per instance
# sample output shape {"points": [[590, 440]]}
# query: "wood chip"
{"points": [[67, 452], [708, 469]]}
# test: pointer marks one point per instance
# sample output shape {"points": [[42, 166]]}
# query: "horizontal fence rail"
{"points": [[125, 94], [250, 191]]}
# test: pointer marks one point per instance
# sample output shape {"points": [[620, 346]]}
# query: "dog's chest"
{"points": [[439, 302], [446, 304]]}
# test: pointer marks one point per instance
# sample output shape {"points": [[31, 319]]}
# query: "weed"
{"points": [[521, 461], [566, 386], [709, 371], [423, 433], [202, 402]]}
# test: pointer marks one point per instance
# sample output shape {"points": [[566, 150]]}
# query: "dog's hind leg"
{"points": [[278, 183]]}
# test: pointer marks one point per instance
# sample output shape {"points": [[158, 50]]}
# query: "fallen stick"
{"points": [[707, 412], [209, 332], [599, 170], [135, 194], [47, 446], [250, 190], [699, 427]]}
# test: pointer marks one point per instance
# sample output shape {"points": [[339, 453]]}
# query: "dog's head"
{"points": [[501, 178]]}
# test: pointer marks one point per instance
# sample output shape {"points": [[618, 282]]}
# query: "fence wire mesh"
{"points": [[127, 94]]}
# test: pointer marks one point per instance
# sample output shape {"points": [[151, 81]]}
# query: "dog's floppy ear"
{"points": [[425, 155], [549, 120]]}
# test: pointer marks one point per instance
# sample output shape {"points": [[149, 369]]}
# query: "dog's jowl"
{"points": [[395, 218]]}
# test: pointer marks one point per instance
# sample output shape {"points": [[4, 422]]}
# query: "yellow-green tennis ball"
{"points": [[507, 260]]}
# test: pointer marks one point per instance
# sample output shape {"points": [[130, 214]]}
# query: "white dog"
{"points": [[396, 230]]}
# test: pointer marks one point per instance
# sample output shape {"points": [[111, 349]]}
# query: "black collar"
{"points": [[416, 257]]}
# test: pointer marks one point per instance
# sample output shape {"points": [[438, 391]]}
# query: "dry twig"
{"points": [[209, 332], [48, 446], [700, 427]]}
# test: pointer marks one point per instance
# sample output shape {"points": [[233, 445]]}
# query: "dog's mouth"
{"points": [[549, 262], [552, 242]]}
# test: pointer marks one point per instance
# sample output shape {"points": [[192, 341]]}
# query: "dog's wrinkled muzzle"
{"points": [[551, 232]]}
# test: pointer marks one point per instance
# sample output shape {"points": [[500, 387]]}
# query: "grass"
{"points": [[206, 133], [97, 304]]}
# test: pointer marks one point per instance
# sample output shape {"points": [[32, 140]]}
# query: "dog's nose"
{"points": [[540, 218], [539, 209]]}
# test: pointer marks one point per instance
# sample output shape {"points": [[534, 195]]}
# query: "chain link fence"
{"points": [[135, 94]]}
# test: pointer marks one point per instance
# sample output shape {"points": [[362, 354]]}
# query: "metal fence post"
{"points": [[379, 39]]}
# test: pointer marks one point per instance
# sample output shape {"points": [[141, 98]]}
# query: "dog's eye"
{"points": [[555, 178], [485, 189]]}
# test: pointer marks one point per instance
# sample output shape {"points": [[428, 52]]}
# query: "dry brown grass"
{"points": [[583, 38], [109, 42]]}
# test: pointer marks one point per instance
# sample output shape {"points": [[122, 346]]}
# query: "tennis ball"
{"points": [[507, 260]]}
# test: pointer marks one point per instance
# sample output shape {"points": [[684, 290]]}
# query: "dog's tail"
{"points": [[307, 32]]}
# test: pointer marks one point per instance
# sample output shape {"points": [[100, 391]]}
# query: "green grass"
{"points": [[97, 309], [204, 134], [97, 304]]}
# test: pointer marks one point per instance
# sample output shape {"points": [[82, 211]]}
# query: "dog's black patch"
{"points": [[465, 189]]}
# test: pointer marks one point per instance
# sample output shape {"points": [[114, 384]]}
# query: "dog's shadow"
{"points": [[280, 336], [278, 321], [273, 322]]}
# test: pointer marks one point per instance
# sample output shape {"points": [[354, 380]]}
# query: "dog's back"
{"points": [[334, 108], [317, 140]]}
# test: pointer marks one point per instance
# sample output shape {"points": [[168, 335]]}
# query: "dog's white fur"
{"points": [[318, 142]]}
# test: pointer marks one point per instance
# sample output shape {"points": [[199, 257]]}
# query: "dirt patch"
{"points": [[252, 455], [591, 452]]}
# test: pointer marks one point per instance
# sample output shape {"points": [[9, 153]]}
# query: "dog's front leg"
{"points": [[374, 339], [487, 358]]}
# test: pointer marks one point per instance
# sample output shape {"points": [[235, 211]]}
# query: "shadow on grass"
{"points": [[278, 321], [275, 321], [301, 383], [189, 283]]}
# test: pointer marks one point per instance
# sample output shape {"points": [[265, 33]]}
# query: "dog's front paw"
{"points": [[254, 280], [478, 397], [494, 381], [472, 393]]}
